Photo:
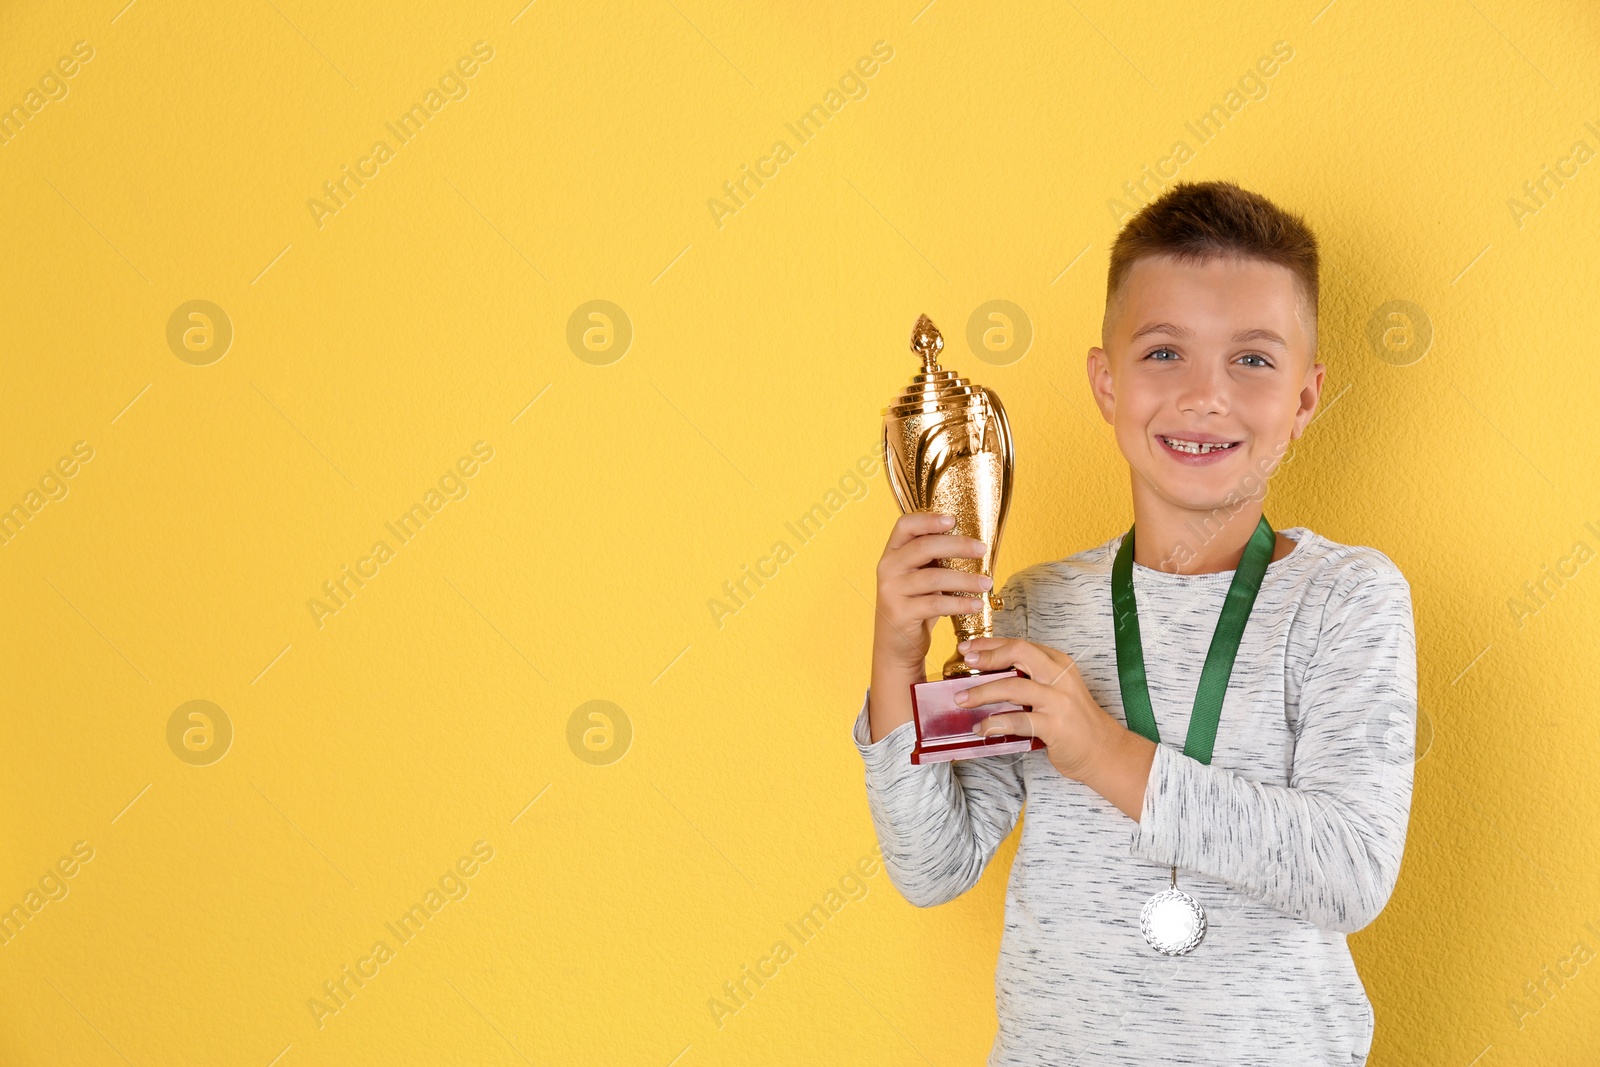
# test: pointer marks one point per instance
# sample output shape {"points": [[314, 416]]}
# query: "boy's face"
{"points": [[1199, 352]]}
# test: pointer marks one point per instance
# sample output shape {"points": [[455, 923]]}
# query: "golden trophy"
{"points": [[947, 448]]}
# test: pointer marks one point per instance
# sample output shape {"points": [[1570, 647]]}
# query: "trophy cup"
{"points": [[947, 448]]}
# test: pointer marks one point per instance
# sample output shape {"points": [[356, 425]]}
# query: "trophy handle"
{"points": [[1009, 454], [902, 494]]}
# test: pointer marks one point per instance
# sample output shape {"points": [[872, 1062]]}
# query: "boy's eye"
{"points": [[1264, 362]]}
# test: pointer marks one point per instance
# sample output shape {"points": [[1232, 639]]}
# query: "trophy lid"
{"points": [[927, 342], [932, 387]]}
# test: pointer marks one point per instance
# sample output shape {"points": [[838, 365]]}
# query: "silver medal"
{"points": [[1172, 921]]}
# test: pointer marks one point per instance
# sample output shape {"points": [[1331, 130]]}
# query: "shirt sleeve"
{"points": [[939, 824], [1327, 847]]}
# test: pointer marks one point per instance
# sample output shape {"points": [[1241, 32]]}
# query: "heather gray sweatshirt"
{"points": [[1290, 838]]}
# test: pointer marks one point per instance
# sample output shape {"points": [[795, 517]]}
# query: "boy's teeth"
{"points": [[1195, 447]]}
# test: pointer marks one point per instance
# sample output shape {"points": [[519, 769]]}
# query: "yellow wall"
{"points": [[374, 346]]}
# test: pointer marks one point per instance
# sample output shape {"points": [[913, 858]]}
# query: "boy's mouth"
{"points": [[1196, 448]]}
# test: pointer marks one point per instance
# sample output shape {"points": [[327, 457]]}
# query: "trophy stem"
{"points": [[977, 624], [956, 667]]}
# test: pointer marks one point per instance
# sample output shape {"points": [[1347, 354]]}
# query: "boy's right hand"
{"points": [[914, 591]]}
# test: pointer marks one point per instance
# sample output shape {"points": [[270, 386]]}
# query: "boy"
{"points": [[1291, 836]]}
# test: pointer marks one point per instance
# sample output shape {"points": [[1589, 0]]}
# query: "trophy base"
{"points": [[944, 728]]}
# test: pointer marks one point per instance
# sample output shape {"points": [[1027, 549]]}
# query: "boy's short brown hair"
{"points": [[1195, 221]]}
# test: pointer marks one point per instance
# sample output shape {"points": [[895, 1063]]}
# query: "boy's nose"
{"points": [[1203, 390]]}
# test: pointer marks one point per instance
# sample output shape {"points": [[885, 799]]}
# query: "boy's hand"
{"points": [[914, 592], [1080, 737]]}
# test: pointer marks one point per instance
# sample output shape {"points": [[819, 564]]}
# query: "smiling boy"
{"points": [[1229, 710]]}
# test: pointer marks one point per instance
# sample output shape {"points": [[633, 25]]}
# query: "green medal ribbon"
{"points": [[1219, 659]]}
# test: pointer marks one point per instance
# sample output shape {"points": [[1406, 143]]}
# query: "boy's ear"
{"points": [[1101, 383], [1310, 396]]}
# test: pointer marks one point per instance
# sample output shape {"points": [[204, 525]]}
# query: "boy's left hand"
{"points": [[1077, 732]]}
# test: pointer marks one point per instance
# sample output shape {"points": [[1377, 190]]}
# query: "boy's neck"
{"points": [[1180, 541]]}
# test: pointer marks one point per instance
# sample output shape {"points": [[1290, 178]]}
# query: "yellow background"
{"points": [[372, 751]]}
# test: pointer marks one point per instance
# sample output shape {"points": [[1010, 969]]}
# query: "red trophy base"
{"points": [[944, 728]]}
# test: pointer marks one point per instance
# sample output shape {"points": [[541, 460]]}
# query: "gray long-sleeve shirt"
{"points": [[1290, 838]]}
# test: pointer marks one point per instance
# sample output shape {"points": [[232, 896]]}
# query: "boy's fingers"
{"points": [[917, 523], [1024, 691], [926, 548], [997, 653], [1007, 722], [938, 605], [938, 580]]}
